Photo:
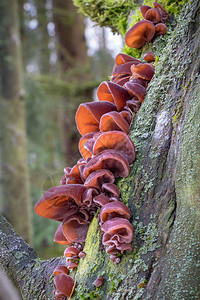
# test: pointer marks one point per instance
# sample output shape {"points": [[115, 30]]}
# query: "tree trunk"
{"points": [[162, 189], [14, 178], [73, 60]]}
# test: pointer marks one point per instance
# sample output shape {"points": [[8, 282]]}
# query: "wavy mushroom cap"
{"points": [[64, 284], [75, 227], [117, 229], [135, 89], [144, 71], [84, 151], [113, 121], [88, 196], [120, 79], [113, 210], [59, 236], [124, 69], [118, 141], [144, 9], [71, 251], [160, 29], [123, 58], [60, 201], [142, 32], [133, 105], [149, 57], [127, 116], [163, 12], [97, 178], [73, 175], [89, 114], [108, 159], [114, 93], [101, 199], [110, 189], [60, 269], [153, 15]]}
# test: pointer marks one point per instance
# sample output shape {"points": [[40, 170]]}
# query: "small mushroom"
{"points": [[153, 15], [149, 57], [161, 29], [144, 9], [64, 284], [60, 269], [99, 281], [163, 12], [142, 32], [113, 210]]}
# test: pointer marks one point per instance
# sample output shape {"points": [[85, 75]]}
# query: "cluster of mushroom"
{"points": [[107, 151], [152, 26]]}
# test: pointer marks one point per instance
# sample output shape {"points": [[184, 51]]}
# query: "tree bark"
{"points": [[14, 175], [162, 189]]}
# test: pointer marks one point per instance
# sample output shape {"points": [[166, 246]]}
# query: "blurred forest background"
{"points": [[51, 60]]}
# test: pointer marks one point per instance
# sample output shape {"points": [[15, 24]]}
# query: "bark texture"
{"points": [[14, 179], [162, 190]]}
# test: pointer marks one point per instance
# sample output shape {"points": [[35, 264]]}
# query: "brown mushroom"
{"points": [[75, 227], [144, 71], [112, 92], [60, 269], [118, 141], [163, 12], [113, 121], [135, 89], [160, 29], [60, 202], [64, 284], [149, 57], [144, 9], [97, 178], [59, 237], [153, 15], [113, 210], [123, 58], [142, 32], [99, 281], [82, 149], [89, 114], [108, 159]]}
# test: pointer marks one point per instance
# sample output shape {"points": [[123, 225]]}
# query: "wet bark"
{"points": [[162, 189]]}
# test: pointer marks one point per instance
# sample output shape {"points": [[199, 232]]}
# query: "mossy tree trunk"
{"points": [[14, 178], [162, 190]]}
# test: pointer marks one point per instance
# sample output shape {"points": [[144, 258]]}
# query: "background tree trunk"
{"points": [[73, 62], [162, 189], [14, 177]]}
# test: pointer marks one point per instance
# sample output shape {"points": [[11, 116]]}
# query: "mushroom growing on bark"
{"points": [[107, 151]]}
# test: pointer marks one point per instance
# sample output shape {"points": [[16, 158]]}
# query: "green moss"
{"points": [[112, 13]]}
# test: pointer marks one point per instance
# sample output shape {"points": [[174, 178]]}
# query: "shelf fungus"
{"points": [[107, 152]]}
